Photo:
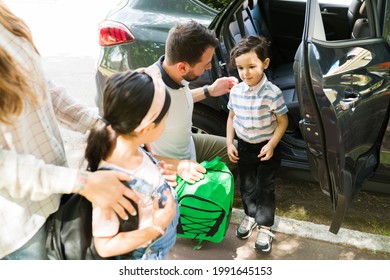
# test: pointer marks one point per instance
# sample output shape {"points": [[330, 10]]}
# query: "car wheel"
{"points": [[208, 121]]}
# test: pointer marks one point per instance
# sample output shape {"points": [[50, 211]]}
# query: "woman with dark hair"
{"points": [[135, 106]]}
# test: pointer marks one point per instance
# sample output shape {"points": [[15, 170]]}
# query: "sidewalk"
{"points": [[295, 240]]}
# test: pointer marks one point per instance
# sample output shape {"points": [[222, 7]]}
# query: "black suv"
{"points": [[331, 59]]}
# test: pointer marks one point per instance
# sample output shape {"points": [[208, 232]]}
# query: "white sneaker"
{"points": [[246, 227], [264, 240]]}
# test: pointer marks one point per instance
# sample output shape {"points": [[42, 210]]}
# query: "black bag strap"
{"points": [[69, 229]]}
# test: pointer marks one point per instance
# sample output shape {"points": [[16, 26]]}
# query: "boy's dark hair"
{"points": [[258, 44], [127, 98], [187, 42]]}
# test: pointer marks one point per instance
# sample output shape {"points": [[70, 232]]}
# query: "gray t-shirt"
{"points": [[176, 140]]}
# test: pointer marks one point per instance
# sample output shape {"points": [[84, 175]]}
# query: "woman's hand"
{"points": [[104, 189]]}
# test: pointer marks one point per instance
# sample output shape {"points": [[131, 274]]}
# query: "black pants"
{"points": [[257, 182]]}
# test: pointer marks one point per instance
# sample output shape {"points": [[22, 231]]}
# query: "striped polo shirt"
{"points": [[255, 109]]}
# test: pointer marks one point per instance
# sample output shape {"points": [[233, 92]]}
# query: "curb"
{"points": [[310, 230]]}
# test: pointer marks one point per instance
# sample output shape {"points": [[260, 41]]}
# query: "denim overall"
{"points": [[160, 247]]}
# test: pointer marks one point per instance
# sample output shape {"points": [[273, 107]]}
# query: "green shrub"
{"points": [[216, 4]]}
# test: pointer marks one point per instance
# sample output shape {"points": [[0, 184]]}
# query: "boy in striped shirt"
{"points": [[258, 116]]}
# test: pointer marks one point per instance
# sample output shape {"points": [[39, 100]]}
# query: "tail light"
{"points": [[113, 33]]}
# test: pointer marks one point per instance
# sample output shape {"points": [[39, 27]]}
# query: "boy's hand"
{"points": [[266, 152], [232, 153]]}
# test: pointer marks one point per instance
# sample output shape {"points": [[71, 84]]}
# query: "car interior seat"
{"points": [[249, 20], [258, 19], [361, 27], [354, 12], [242, 24]]}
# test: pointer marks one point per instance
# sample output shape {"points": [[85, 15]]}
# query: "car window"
{"points": [[342, 2], [326, 23], [167, 6], [220, 4]]}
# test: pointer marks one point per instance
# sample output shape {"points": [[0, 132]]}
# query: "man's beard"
{"points": [[190, 76]]}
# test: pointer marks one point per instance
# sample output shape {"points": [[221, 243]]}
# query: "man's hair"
{"points": [[187, 42], [258, 44]]}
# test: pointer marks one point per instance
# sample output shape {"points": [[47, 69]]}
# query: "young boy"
{"points": [[258, 116]]}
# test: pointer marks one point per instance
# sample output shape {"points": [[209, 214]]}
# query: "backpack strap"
{"points": [[152, 158], [126, 183]]}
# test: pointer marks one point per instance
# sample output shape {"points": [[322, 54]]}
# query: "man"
{"points": [[188, 53]]}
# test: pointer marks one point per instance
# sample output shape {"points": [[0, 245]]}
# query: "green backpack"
{"points": [[205, 206]]}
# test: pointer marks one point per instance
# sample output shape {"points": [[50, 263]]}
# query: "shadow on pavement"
{"points": [[285, 247]]}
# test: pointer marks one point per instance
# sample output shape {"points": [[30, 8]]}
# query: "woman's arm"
{"points": [[69, 112]]}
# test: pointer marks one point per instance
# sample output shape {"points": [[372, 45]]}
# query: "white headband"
{"points": [[158, 98]]}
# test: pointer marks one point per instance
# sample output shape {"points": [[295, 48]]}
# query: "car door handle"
{"points": [[349, 103], [325, 12]]}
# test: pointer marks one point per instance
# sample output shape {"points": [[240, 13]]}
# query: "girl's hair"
{"points": [[258, 44], [15, 90], [127, 98]]}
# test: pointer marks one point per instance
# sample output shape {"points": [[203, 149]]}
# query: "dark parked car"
{"points": [[331, 60]]}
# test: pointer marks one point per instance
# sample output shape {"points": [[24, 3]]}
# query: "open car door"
{"points": [[343, 90]]}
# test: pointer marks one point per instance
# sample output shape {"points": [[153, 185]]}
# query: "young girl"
{"points": [[135, 107], [258, 117]]}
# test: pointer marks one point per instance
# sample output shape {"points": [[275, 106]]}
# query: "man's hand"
{"points": [[222, 86], [104, 189], [190, 171]]}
